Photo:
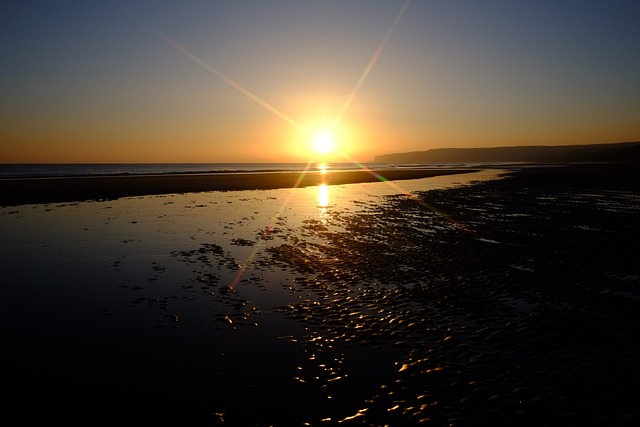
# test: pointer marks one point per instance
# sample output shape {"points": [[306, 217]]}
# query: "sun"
{"points": [[323, 142]]}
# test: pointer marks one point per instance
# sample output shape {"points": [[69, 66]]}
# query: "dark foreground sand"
{"points": [[24, 191], [509, 302]]}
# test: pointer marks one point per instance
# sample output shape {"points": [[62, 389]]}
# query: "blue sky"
{"points": [[253, 80]]}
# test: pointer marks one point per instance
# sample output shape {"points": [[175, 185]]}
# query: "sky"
{"points": [[255, 80]]}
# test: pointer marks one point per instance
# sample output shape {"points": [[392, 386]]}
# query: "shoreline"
{"points": [[516, 294], [55, 190]]}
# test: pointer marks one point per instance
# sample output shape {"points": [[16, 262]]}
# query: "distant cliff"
{"points": [[615, 152]]}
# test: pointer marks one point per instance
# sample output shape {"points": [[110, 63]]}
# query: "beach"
{"points": [[493, 297], [49, 190]]}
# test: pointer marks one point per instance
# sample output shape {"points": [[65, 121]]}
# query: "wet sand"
{"points": [[505, 302], [24, 191]]}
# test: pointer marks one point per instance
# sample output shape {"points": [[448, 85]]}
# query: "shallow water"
{"points": [[445, 301], [167, 306]]}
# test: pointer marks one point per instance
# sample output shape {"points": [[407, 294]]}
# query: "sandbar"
{"points": [[48, 190]]}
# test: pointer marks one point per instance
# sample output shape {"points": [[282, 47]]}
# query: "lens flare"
{"points": [[371, 63], [323, 142]]}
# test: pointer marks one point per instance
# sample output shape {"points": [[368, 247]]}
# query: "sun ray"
{"points": [[228, 80], [347, 104], [370, 65], [234, 84], [267, 230], [323, 141], [409, 195]]}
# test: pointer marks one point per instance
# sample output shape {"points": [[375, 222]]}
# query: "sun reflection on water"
{"points": [[323, 195], [323, 201], [323, 168]]}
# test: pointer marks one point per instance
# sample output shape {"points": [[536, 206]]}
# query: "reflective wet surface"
{"points": [[444, 301]]}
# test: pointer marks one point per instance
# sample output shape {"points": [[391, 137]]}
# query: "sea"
{"points": [[73, 170], [79, 170]]}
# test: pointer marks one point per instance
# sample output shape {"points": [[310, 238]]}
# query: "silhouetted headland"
{"points": [[625, 152]]}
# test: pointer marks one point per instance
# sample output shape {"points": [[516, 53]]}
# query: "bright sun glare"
{"points": [[323, 142]]}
